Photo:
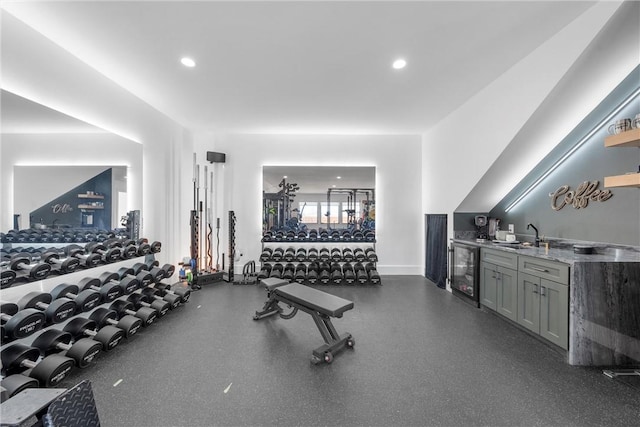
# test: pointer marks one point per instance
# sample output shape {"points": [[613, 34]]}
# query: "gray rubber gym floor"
{"points": [[422, 357]]}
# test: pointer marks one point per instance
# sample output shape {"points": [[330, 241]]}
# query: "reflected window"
{"points": [[333, 211], [308, 212]]}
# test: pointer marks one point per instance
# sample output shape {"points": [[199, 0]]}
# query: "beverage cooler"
{"points": [[464, 274]]}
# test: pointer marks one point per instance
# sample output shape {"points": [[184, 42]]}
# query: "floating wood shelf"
{"points": [[90, 196], [629, 138], [628, 180], [90, 207]]}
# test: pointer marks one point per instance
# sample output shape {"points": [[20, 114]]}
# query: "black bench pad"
{"points": [[322, 302]]}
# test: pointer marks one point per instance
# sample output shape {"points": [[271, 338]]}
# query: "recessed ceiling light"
{"points": [[188, 62], [338, 177], [399, 64]]}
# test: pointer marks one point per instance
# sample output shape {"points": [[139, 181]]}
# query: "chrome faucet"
{"points": [[536, 242]]}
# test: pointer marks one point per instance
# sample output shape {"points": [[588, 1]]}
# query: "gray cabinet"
{"points": [[543, 304], [498, 282], [533, 292]]}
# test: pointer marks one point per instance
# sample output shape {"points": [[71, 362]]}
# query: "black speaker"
{"points": [[214, 157]]}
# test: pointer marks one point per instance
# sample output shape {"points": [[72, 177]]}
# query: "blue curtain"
{"points": [[436, 249]]}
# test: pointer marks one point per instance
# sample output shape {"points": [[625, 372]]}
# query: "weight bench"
{"points": [[322, 306]]}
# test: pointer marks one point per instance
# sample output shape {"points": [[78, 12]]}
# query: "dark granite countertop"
{"points": [[563, 252]]}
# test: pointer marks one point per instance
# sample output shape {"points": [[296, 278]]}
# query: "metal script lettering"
{"points": [[61, 208], [580, 197]]}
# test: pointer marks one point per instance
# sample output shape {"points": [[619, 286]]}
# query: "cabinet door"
{"points": [[488, 285], [529, 302], [507, 293], [554, 312]]}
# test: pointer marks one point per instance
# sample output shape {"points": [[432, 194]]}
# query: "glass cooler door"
{"points": [[465, 268]]}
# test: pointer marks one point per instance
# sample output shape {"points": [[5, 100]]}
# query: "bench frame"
{"points": [[334, 342]]}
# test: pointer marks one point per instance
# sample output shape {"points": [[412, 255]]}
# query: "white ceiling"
{"points": [[299, 67]]}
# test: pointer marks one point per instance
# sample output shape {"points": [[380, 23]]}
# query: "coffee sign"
{"points": [[580, 197]]}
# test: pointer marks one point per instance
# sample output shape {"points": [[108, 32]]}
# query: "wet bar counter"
{"points": [[604, 300]]}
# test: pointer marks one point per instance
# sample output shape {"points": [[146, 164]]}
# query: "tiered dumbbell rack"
{"points": [[16, 293], [318, 244]]}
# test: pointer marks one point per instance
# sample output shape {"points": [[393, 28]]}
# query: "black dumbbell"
{"points": [[18, 323], [141, 275], [289, 254], [349, 274], [154, 294], [165, 272], [312, 254], [324, 273], [85, 300], [336, 254], [108, 255], [126, 284], [128, 248], [347, 255], [336, 274], [312, 273], [371, 255], [22, 262], [266, 254], [324, 254], [104, 317], [361, 273], [144, 248], [88, 260], [108, 336], [301, 255], [288, 272], [277, 254], [55, 311], [53, 341], [50, 371], [66, 265], [359, 255], [140, 300], [108, 291], [301, 274], [374, 277], [146, 314], [14, 384], [166, 290], [264, 271], [155, 247], [276, 270], [7, 276]]}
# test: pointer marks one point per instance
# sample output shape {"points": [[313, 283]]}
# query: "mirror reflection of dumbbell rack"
{"points": [[40, 332], [335, 253], [22, 263]]}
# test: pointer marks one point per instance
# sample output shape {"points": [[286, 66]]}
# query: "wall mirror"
{"points": [[301, 198], [73, 195]]}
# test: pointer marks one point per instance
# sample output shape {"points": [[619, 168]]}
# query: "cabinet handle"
{"points": [[543, 270], [543, 291], [535, 289]]}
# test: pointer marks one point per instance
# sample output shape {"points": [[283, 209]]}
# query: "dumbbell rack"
{"points": [[142, 247], [16, 293], [318, 245]]}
